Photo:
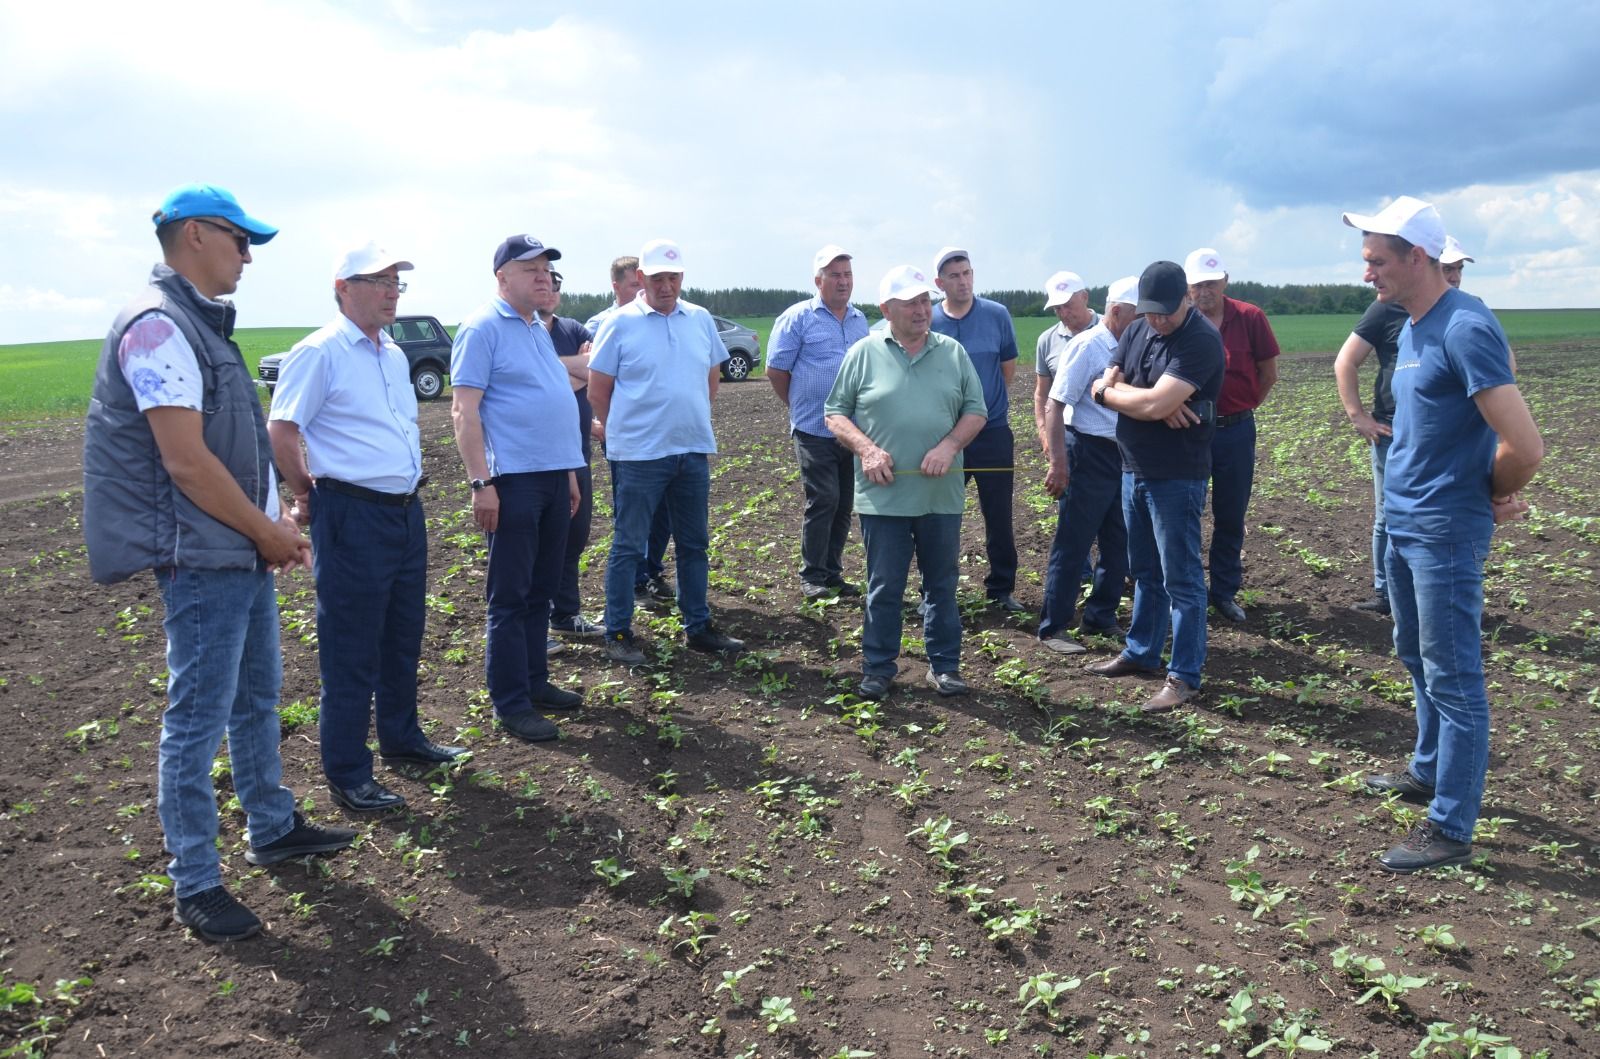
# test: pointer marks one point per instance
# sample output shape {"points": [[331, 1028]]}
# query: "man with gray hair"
{"points": [[1086, 474], [1068, 297], [345, 394], [808, 344], [1464, 448]]}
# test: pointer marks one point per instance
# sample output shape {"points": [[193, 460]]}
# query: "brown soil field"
{"points": [[1105, 873]]}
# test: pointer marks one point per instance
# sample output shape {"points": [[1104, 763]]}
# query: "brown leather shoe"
{"points": [[1173, 693], [1121, 666]]}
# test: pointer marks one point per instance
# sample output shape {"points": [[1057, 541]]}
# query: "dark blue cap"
{"points": [[522, 248]]}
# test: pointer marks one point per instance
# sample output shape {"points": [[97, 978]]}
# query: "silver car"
{"points": [[744, 349]]}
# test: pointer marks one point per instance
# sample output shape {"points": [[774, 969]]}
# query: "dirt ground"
{"points": [[1106, 864]]}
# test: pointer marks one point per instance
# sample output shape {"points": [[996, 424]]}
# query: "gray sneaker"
{"points": [[623, 649], [947, 684], [1425, 847]]}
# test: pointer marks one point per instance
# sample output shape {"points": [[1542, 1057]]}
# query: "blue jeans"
{"points": [[371, 564], [995, 447], [1436, 590], [223, 676], [681, 486], [1380, 527], [525, 556], [1090, 509], [1233, 469], [891, 541], [827, 473], [1169, 582], [568, 603]]}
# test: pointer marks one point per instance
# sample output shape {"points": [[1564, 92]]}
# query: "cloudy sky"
{"points": [[1038, 135]]}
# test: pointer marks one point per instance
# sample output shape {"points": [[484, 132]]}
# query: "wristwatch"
{"points": [[1099, 394], [481, 483]]}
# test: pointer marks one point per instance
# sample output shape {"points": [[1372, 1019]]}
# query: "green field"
{"points": [[54, 378]]}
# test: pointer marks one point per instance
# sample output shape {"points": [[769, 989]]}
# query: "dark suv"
{"points": [[427, 347]]}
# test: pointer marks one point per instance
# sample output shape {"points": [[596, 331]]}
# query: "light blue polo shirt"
{"points": [[809, 343], [1081, 361], [355, 407], [661, 403], [528, 411], [990, 340]]}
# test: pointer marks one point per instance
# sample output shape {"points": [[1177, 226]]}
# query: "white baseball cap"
{"points": [[1204, 265], [1413, 220], [660, 255], [947, 254], [366, 260], [1060, 288], [1124, 291], [827, 256], [902, 283], [1453, 252]]}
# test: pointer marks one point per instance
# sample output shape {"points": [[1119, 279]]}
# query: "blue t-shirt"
{"points": [[1437, 484], [1193, 353], [529, 416], [990, 340], [661, 403], [809, 343]]}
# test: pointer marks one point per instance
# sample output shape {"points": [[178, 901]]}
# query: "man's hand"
{"points": [[597, 430], [300, 510], [939, 458], [574, 494], [1113, 375], [878, 466], [1369, 427], [1508, 508], [486, 508], [1055, 479], [283, 549], [1182, 418]]}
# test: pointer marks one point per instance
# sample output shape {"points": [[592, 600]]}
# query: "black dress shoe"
{"points": [[1406, 785], [713, 640], [530, 727], [550, 699], [1007, 603], [846, 589], [1229, 609], [1374, 605], [369, 797], [874, 686], [1121, 666], [1116, 632], [427, 755]]}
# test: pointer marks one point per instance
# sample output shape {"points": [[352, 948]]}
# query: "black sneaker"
{"points": [[846, 589], [947, 684], [548, 699], [1006, 603], [216, 915], [621, 647], [1229, 609], [874, 686], [303, 840], [658, 590], [711, 639], [1425, 847], [1374, 605], [577, 625], [1404, 784], [530, 727]]}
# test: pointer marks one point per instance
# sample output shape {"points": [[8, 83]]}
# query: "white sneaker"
{"points": [[1062, 645]]}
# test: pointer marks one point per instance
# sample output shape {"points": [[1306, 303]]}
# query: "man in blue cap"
{"points": [[178, 479]]}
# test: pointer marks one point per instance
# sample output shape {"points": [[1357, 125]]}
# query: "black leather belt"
{"points": [[1235, 419], [361, 492]]}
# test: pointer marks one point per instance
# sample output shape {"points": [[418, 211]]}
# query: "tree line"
{"points": [[1289, 299]]}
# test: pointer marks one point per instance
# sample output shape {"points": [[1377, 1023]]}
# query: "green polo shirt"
{"points": [[906, 405]]}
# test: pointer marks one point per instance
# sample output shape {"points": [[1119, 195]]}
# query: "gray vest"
{"points": [[134, 517]]}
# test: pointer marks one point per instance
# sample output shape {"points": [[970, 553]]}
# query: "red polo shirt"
{"points": [[1248, 340]]}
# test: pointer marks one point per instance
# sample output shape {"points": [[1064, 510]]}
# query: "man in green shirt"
{"points": [[906, 403]]}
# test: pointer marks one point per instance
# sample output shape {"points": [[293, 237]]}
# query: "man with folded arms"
{"points": [[516, 425], [809, 342], [1252, 370], [177, 479], [345, 392], [652, 377], [983, 328], [906, 402], [1163, 385], [1086, 473], [1464, 447], [1067, 295]]}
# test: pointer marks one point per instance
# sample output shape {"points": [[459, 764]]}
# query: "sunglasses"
{"points": [[240, 239]]}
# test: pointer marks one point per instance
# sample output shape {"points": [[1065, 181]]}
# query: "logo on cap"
{"points": [[1063, 285], [670, 254], [1211, 262], [919, 277]]}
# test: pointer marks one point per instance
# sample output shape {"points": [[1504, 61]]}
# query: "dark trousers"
{"points": [[371, 566], [567, 603], [1233, 469], [995, 447], [1090, 510], [526, 551], [828, 475]]}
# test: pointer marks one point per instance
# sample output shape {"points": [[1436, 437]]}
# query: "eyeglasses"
{"points": [[396, 285], [240, 239]]}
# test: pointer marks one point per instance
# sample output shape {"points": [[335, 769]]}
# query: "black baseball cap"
{"points": [[522, 248], [1162, 287]]}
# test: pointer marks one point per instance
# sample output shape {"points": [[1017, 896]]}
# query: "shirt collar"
{"points": [[818, 305], [354, 335]]}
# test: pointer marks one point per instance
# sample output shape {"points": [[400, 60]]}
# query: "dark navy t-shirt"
{"points": [[1192, 353], [569, 336], [1380, 328]]}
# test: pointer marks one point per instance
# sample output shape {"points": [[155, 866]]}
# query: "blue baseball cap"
{"points": [[522, 248], [208, 200]]}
